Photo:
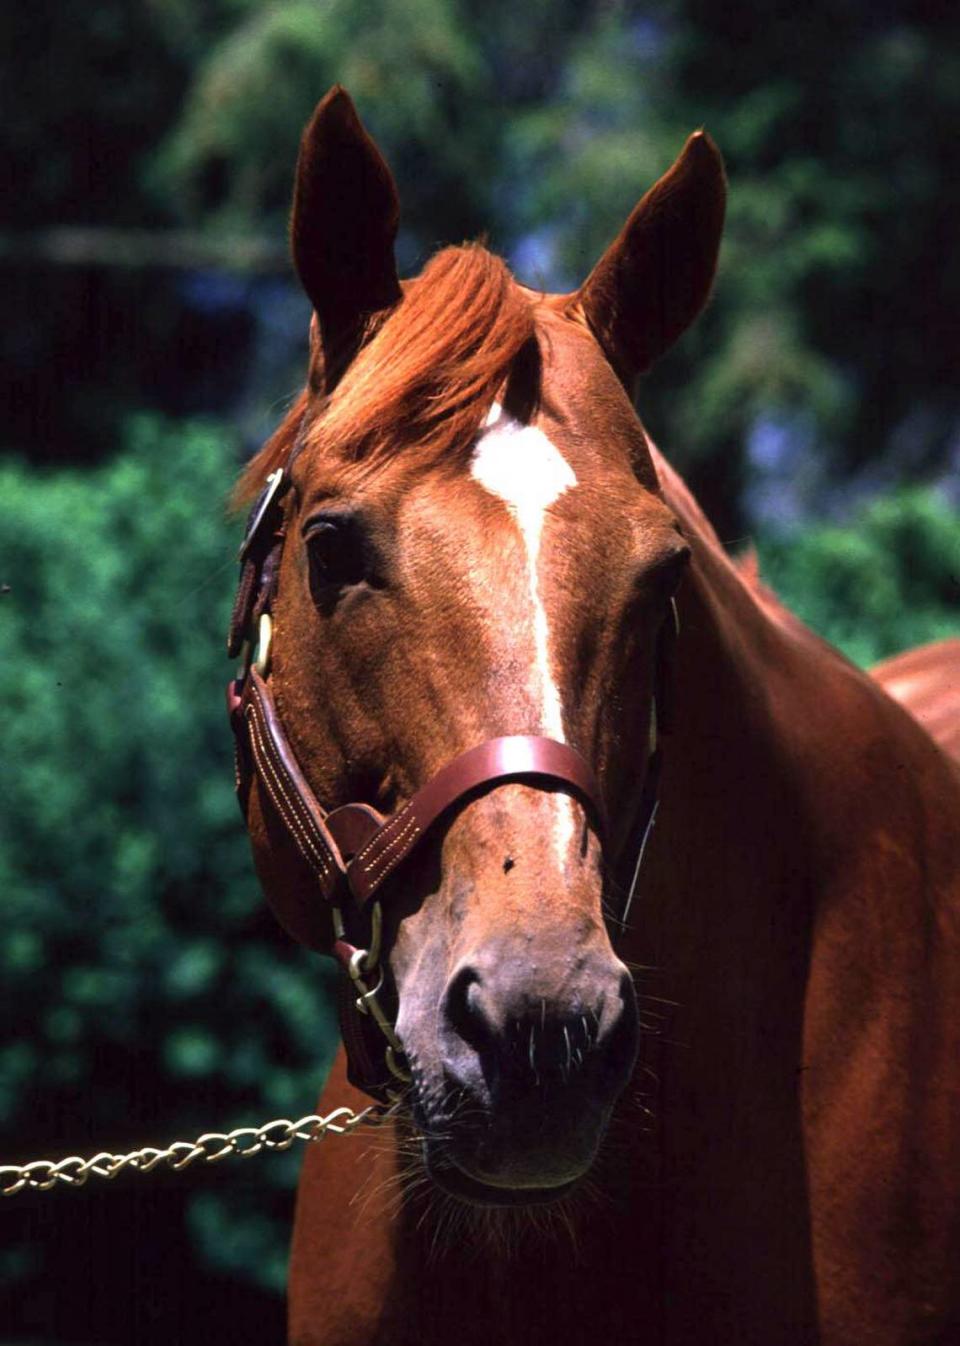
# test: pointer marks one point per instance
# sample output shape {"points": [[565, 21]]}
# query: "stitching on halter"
{"points": [[411, 829], [291, 815], [399, 820]]}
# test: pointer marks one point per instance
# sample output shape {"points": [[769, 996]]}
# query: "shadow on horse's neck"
{"points": [[739, 790], [739, 781], [725, 907], [722, 923]]}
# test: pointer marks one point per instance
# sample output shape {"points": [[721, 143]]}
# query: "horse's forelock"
{"points": [[425, 379]]}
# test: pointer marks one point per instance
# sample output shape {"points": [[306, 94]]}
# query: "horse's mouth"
{"points": [[452, 1180]]}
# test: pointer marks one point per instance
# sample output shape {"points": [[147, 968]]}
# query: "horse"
{"points": [[648, 896]]}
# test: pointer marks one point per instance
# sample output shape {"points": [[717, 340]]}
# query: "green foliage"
{"points": [[886, 581], [837, 284], [137, 965], [835, 128]]}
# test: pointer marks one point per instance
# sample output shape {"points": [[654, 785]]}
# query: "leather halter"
{"points": [[352, 850]]}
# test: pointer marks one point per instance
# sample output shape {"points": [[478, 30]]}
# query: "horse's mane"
{"points": [[426, 376], [748, 567]]}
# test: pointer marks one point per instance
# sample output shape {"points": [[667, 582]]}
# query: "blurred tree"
{"points": [[833, 331], [837, 124], [888, 580], [87, 91], [438, 81], [84, 88], [143, 992]]}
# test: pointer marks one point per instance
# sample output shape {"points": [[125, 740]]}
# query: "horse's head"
{"points": [[475, 546]]}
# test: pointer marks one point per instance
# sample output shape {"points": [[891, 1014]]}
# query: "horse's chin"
{"points": [[456, 1182]]}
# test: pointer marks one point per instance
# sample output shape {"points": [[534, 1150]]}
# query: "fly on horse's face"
{"points": [[475, 546]]}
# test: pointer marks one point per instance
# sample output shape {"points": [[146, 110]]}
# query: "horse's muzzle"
{"points": [[529, 1079]]}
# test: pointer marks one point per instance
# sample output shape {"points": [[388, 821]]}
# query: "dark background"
{"points": [[152, 336]]}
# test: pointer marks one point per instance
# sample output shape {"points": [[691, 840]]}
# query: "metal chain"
{"points": [[44, 1174], [211, 1147]]}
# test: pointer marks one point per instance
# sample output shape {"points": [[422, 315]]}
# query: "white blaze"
{"points": [[526, 470]]}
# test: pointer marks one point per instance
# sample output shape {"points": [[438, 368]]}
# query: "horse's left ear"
{"points": [[656, 276], [343, 227]]}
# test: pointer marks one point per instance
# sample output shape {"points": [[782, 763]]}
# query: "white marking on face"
{"points": [[526, 470]]}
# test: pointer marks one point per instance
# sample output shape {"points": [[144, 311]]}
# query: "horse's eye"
{"points": [[339, 554]]}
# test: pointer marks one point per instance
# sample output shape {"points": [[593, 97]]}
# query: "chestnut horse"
{"points": [[754, 1135]]}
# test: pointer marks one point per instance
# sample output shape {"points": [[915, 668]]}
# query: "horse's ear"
{"points": [[655, 277], [343, 226]]}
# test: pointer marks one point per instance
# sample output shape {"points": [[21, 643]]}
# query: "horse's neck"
{"points": [[798, 945], [752, 678], [741, 681], [747, 667], [788, 770]]}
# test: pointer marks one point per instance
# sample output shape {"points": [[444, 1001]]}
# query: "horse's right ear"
{"points": [[656, 276], [343, 226]]}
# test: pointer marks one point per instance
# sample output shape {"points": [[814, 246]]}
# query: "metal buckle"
{"points": [[366, 963], [259, 511], [264, 642]]}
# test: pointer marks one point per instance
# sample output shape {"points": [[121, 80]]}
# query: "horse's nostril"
{"points": [[492, 1026], [464, 1009]]}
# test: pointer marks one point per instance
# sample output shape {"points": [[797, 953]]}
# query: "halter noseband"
{"points": [[353, 849]]}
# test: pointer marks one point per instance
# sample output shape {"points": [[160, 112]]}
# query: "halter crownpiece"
{"points": [[353, 849]]}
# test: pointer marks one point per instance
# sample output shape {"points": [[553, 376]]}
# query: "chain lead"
{"points": [[245, 1141], [42, 1175]]}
